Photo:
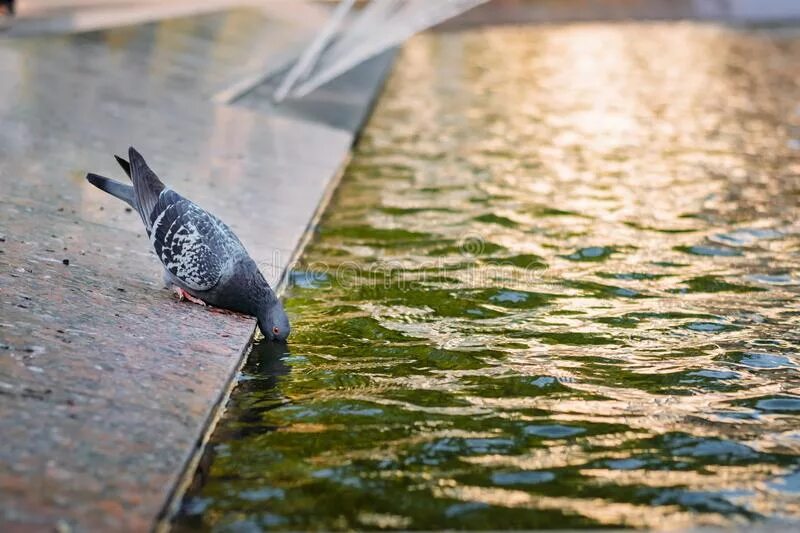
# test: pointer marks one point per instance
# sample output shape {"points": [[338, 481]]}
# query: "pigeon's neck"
{"points": [[260, 293]]}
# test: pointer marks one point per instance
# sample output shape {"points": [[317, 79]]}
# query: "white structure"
{"points": [[380, 25]]}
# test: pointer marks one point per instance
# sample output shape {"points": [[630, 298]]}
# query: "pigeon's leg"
{"points": [[179, 292], [182, 294]]}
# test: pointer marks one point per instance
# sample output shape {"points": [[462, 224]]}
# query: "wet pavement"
{"points": [[108, 383]]}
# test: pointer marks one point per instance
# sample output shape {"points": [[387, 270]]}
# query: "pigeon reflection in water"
{"points": [[266, 365]]}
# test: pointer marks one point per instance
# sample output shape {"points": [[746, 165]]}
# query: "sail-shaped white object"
{"points": [[379, 26]]}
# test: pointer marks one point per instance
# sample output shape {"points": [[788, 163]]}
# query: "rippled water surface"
{"points": [[558, 287]]}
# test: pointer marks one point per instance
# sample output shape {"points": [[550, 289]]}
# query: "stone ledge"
{"points": [[108, 385]]}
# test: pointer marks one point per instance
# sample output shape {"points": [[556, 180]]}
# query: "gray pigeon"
{"points": [[203, 260]]}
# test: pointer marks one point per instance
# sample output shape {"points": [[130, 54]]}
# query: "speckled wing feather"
{"points": [[193, 245]]}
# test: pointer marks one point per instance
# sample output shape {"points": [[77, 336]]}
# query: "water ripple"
{"points": [[556, 288]]}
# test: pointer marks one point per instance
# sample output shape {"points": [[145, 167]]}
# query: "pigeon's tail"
{"points": [[146, 186], [124, 164], [114, 188]]}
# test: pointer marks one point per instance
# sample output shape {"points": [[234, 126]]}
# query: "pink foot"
{"points": [[182, 294]]}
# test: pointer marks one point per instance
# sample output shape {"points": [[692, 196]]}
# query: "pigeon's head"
{"points": [[273, 322]]}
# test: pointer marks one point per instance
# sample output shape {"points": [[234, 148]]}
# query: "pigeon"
{"points": [[203, 260]]}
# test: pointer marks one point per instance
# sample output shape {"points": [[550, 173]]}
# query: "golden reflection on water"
{"points": [[572, 266]]}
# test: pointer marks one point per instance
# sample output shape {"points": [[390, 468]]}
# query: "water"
{"points": [[558, 287]]}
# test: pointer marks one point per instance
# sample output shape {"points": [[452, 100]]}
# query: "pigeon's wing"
{"points": [[196, 247], [146, 186]]}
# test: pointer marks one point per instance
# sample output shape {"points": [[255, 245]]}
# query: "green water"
{"points": [[558, 287]]}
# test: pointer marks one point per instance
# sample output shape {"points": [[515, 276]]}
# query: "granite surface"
{"points": [[108, 384]]}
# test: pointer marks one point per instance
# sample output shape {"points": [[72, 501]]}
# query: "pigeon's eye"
{"points": [[275, 330]]}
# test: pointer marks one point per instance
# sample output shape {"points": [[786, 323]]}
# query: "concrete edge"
{"points": [[192, 460], [330, 190], [389, 57], [185, 478], [165, 517]]}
